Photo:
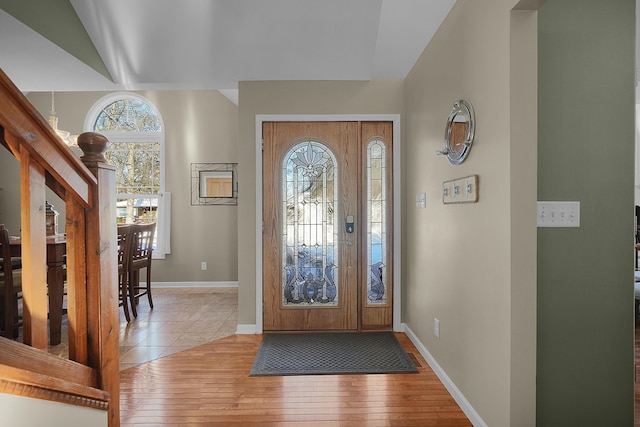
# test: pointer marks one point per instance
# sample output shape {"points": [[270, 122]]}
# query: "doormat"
{"points": [[331, 353]]}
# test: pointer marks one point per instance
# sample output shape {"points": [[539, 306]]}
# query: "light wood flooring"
{"points": [[181, 319], [181, 364], [209, 384]]}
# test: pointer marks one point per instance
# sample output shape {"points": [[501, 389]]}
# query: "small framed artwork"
{"points": [[214, 184]]}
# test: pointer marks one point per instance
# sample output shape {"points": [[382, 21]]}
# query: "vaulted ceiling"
{"points": [[77, 45]]}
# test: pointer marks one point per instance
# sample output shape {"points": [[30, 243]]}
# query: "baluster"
{"points": [[76, 282], [34, 255]]}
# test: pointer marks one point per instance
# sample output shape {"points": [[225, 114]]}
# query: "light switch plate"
{"points": [[558, 214], [421, 200], [461, 190]]}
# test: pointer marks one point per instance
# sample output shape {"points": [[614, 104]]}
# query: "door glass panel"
{"points": [[310, 233], [376, 223]]}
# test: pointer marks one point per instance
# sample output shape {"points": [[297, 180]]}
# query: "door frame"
{"points": [[397, 196]]}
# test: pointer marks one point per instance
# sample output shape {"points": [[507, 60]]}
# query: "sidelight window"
{"points": [[376, 223]]}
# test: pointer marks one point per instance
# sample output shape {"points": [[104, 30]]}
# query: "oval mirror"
{"points": [[459, 132]]}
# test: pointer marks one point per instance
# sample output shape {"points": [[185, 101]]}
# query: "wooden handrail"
{"points": [[24, 382], [30, 372], [26, 124], [14, 354], [87, 186]]}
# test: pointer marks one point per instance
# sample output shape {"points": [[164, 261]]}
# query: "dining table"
{"points": [[56, 250]]}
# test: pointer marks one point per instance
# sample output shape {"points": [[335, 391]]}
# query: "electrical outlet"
{"points": [[436, 327], [203, 265]]}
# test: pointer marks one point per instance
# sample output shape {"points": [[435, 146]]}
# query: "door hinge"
{"points": [[263, 145]]}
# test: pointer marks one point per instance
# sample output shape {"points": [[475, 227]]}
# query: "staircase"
{"points": [[87, 186]]}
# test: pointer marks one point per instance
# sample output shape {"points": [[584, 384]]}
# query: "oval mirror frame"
{"points": [[459, 132]]}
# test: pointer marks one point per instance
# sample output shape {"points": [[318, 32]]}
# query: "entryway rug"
{"points": [[329, 353]]}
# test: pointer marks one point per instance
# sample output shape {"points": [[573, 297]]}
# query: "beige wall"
{"points": [[474, 267], [374, 97], [523, 190], [201, 127], [20, 411], [459, 263]]}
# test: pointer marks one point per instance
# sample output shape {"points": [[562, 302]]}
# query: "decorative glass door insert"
{"points": [[310, 235], [376, 223]]}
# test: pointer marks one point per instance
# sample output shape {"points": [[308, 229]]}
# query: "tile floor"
{"points": [[181, 319]]}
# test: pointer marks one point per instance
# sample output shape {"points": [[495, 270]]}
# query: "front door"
{"points": [[327, 208]]}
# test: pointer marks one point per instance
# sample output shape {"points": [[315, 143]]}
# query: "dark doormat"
{"points": [[327, 353]]}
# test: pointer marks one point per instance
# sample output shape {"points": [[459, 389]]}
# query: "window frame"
{"points": [[162, 232]]}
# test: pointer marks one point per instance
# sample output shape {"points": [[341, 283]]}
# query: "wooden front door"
{"points": [[327, 218]]}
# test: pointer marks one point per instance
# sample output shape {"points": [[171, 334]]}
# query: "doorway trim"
{"points": [[397, 191]]}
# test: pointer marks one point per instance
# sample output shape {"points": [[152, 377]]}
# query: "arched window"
{"points": [[135, 131]]}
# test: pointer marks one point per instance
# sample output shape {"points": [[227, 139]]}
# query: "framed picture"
{"points": [[214, 184]]}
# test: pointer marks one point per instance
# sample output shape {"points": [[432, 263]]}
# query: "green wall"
{"points": [[586, 153]]}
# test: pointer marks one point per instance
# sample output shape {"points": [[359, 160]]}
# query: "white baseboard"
{"points": [[194, 284], [457, 395], [246, 330]]}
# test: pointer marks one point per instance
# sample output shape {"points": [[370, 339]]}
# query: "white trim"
{"points": [[164, 224], [397, 226], [194, 284], [259, 225], [457, 395], [247, 330], [397, 213]]}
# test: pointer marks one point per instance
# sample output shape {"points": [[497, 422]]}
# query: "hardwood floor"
{"points": [[181, 319], [210, 385]]}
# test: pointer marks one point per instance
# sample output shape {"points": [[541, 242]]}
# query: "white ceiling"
{"points": [[213, 44]]}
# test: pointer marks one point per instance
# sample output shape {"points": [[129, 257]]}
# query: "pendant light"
{"points": [[53, 122]]}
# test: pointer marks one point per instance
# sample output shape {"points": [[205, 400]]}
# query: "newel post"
{"points": [[102, 271]]}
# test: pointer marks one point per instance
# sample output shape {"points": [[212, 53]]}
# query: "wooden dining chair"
{"points": [[140, 258], [124, 249], [11, 289]]}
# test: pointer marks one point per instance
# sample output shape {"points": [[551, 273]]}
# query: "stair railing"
{"points": [[87, 186]]}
